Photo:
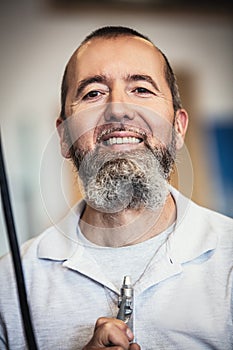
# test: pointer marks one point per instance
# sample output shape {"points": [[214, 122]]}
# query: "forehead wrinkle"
{"points": [[105, 79]]}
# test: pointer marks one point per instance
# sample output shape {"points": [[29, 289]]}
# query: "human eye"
{"points": [[142, 91], [92, 95]]}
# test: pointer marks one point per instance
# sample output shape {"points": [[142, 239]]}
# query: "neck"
{"points": [[127, 227]]}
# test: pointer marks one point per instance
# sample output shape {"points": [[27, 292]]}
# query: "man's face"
{"points": [[115, 84], [118, 102]]}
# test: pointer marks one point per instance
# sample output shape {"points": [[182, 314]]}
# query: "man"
{"points": [[121, 123]]}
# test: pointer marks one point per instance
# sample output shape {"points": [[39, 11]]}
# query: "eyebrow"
{"points": [[101, 79], [90, 80]]}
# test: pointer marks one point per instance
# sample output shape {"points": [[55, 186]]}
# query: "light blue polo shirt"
{"points": [[182, 301]]}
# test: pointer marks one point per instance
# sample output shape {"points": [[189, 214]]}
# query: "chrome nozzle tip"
{"points": [[127, 281]]}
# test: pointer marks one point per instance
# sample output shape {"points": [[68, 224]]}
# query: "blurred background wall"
{"points": [[37, 39]]}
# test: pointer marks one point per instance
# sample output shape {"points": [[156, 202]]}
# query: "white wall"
{"points": [[35, 47]]}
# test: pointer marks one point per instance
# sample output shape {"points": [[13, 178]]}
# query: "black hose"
{"points": [[9, 221]]}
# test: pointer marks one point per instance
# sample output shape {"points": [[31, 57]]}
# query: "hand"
{"points": [[110, 332]]}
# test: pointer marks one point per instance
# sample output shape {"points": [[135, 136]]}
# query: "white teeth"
{"points": [[120, 140]]}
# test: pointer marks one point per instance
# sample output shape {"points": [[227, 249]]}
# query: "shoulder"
{"points": [[56, 240], [200, 230], [213, 221], [198, 217], [28, 252]]}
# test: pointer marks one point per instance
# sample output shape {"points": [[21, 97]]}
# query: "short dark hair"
{"points": [[114, 32]]}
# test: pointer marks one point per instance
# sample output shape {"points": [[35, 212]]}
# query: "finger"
{"points": [[134, 346], [109, 333], [118, 323]]}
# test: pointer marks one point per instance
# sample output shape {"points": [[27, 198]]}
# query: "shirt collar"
{"points": [[191, 238], [59, 242]]}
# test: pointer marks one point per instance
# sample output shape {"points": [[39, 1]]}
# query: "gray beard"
{"points": [[115, 181]]}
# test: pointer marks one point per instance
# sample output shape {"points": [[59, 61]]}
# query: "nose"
{"points": [[118, 109]]}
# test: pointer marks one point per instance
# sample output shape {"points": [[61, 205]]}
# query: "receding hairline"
{"points": [[111, 37]]}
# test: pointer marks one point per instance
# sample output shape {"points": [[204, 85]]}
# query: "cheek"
{"points": [[85, 142], [161, 127], [81, 126], [159, 118], [163, 132]]}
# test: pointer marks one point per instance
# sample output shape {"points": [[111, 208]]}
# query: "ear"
{"points": [[181, 125], [65, 148]]}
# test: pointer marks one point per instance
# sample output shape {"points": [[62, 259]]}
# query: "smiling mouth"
{"points": [[110, 137]]}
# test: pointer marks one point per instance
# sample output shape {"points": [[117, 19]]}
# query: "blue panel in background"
{"points": [[222, 135], [224, 139]]}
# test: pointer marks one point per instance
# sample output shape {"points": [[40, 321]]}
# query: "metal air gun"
{"points": [[125, 302]]}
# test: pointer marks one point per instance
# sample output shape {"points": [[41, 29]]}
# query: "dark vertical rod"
{"points": [[9, 221]]}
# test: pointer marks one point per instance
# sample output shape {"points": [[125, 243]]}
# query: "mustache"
{"points": [[104, 130]]}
